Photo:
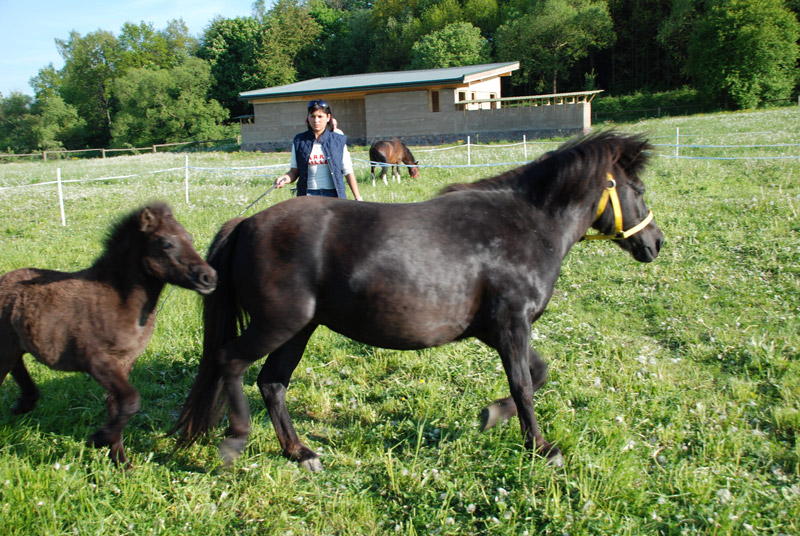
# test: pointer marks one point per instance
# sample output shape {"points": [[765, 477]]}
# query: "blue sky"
{"points": [[28, 31]]}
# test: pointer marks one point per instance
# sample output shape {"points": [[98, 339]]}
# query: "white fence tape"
{"points": [[238, 170]]}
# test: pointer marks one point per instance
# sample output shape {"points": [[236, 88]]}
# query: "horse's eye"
{"points": [[166, 243]]}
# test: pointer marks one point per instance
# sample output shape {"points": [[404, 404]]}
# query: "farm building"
{"points": [[428, 106]]}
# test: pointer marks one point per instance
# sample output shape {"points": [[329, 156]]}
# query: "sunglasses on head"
{"points": [[318, 103]]}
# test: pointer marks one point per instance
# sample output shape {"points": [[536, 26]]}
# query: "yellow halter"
{"points": [[611, 193]]}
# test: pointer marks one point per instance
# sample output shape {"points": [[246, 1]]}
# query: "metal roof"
{"points": [[387, 80]]}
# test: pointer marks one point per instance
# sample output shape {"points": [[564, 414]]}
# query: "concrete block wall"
{"points": [[408, 116], [276, 123]]}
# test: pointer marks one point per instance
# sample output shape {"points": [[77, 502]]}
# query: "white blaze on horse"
{"points": [[393, 152]]}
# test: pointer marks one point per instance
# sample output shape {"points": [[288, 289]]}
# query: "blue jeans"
{"points": [[323, 193]]}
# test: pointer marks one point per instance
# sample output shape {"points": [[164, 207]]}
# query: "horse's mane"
{"points": [[569, 172], [410, 154], [120, 237]]}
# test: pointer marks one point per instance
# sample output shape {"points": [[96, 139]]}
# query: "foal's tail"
{"points": [[222, 318]]}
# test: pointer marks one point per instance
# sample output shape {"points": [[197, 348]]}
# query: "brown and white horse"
{"points": [[391, 152]]}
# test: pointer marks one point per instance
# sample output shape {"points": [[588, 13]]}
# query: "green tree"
{"points": [[392, 43], [483, 14], [141, 45], [342, 45], [54, 124], [636, 60], [383, 10], [676, 29], [230, 46], [14, 111], [44, 123], [167, 105], [435, 15], [290, 33], [90, 67], [456, 44], [47, 82], [395, 28], [180, 44], [248, 53], [745, 52], [554, 35]]}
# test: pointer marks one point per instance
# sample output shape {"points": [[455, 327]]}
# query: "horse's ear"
{"points": [[148, 221]]}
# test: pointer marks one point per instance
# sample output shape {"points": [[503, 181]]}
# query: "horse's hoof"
{"points": [[552, 454], [555, 459], [312, 464], [123, 464], [230, 449], [98, 439], [22, 408], [490, 416], [497, 412]]}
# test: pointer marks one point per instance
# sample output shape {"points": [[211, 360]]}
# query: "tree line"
{"points": [[148, 85]]}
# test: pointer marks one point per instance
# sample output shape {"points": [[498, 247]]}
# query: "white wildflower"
{"points": [[724, 495]]}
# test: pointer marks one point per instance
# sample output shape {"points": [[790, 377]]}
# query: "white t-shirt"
{"points": [[319, 173]]}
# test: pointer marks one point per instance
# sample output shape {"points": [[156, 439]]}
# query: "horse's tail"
{"points": [[222, 318], [375, 154]]}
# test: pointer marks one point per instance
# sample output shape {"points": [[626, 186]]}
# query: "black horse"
{"points": [[480, 260]]}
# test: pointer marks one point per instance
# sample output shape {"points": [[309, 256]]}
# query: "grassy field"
{"points": [[674, 387]]}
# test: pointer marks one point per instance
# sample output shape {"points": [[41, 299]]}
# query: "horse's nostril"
{"points": [[207, 278]]}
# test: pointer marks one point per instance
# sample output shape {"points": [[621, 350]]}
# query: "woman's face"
{"points": [[318, 120]]}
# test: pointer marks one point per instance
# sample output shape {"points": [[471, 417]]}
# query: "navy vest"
{"points": [[332, 147]]}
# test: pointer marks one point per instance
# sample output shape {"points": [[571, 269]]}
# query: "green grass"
{"points": [[674, 387]]}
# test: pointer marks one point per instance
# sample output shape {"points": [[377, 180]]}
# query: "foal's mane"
{"points": [[121, 239], [570, 172]]}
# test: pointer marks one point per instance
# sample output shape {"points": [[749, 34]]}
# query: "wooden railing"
{"points": [[153, 148], [536, 100]]}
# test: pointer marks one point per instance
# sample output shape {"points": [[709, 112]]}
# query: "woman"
{"points": [[320, 159]]}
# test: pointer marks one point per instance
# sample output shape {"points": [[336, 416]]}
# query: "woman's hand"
{"points": [[282, 180]]}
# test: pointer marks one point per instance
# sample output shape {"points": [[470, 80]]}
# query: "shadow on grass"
{"points": [[72, 406]]}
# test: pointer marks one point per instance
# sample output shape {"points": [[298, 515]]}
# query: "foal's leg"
{"points": [[122, 403], [273, 382], [518, 358], [372, 174], [11, 361], [29, 393]]}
